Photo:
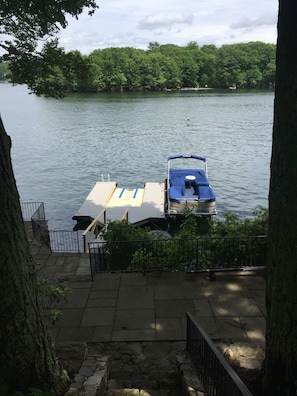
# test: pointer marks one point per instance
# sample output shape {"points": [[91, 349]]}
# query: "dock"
{"points": [[140, 206]]}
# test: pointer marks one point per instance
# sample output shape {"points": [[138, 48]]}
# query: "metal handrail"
{"points": [[93, 227], [125, 215], [215, 372]]}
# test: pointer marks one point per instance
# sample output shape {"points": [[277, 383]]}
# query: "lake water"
{"points": [[62, 147]]}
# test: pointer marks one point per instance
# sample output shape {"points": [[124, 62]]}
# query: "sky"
{"points": [[136, 23]]}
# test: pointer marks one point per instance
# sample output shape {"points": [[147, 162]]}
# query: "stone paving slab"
{"points": [[173, 308], [169, 329], [77, 299], [75, 334], [152, 306], [98, 316], [202, 307], [231, 327], [132, 335], [133, 319], [209, 325]]}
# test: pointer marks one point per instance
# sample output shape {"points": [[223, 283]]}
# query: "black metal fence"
{"points": [[213, 370], [66, 241], [29, 208], [191, 255], [58, 240]]}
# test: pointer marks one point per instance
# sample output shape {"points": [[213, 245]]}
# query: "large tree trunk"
{"points": [[280, 367], [26, 355]]}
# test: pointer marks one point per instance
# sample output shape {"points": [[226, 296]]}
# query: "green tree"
{"points": [[97, 70], [116, 67], [78, 72], [189, 70], [171, 72], [27, 358], [208, 69], [153, 45], [230, 71], [192, 45], [248, 65], [280, 365], [160, 70], [135, 58]]}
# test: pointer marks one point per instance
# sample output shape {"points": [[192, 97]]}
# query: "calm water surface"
{"points": [[62, 147]]}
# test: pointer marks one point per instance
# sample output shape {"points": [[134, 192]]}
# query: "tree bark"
{"points": [[27, 358], [280, 366]]}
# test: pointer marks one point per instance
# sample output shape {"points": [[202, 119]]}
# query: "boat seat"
{"points": [[175, 192], [205, 193]]}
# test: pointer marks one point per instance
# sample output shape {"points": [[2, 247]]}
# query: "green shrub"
{"points": [[201, 243], [51, 294], [122, 241], [233, 225]]}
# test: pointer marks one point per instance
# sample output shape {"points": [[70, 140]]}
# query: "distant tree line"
{"points": [[169, 66]]}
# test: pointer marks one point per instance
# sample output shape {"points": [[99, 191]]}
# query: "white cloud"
{"points": [[133, 23], [156, 21], [245, 22]]}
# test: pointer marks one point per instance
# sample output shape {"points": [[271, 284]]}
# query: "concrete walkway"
{"points": [[151, 307]]}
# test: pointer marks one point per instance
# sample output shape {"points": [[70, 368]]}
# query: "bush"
{"points": [[51, 294], [201, 243], [232, 225], [122, 241]]}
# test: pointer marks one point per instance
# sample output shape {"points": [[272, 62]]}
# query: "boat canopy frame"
{"points": [[187, 156]]}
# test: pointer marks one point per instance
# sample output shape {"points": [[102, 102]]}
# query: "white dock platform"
{"points": [[139, 205], [96, 201]]}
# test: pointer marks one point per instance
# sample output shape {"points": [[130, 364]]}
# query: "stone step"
{"points": [[143, 386], [129, 369], [137, 392], [138, 384]]}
